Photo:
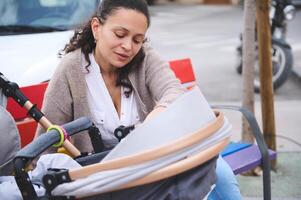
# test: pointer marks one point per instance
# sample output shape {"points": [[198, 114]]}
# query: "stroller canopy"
{"points": [[9, 138], [187, 134]]}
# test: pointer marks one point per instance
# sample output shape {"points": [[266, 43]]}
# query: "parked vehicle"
{"points": [[281, 12], [296, 3], [33, 31]]}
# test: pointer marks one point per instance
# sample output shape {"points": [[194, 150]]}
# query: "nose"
{"points": [[127, 44]]}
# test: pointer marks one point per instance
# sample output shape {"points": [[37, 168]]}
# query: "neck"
{"points": [[105, 68]]}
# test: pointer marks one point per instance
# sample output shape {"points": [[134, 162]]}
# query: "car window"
{"points": [[49, 13]]}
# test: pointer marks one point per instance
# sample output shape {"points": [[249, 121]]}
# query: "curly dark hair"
{"points": [[83, 37]]}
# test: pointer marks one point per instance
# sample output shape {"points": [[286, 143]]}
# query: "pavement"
{"points": [[208, 35]]}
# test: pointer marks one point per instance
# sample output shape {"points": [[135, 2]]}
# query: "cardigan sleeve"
{"points": [[160, 79], [57, 104]]}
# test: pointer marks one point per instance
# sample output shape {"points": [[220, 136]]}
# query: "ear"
{"points": [[95, 26]]}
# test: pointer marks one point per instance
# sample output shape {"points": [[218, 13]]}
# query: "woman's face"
{"points": [[119, 38]]}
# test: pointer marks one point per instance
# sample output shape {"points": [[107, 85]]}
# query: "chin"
{"points": [[120, 64]]}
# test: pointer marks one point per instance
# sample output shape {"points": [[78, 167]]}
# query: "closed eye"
{"points": [[139, 39], [119, 35]]}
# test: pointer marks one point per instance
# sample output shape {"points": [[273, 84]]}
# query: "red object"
{"points": [[27, 126], [35, 94], [183, 70]]}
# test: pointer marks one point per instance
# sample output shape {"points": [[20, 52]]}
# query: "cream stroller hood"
{"points": [[146, 149]]}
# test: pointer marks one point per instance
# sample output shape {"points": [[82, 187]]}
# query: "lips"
{"points": [[122, 57]]}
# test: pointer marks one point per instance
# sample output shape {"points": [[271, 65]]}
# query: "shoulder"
{"points": [[150, 52], [68, 69], [70, 61], [147, 47], [152, 59]]}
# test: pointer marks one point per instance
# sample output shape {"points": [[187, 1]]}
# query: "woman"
{"points": [[110, 74], [108, 60]]}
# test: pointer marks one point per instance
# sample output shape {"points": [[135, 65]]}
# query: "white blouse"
{"points": [[102, 107]]}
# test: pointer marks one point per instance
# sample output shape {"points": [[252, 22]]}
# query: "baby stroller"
{"points": [[176, 162]]}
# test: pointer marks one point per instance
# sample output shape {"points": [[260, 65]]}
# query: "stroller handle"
{"points": [[35, 148], [44, 141]]}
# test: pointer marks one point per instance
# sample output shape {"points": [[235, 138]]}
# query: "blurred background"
{"points": [[208, 32]]}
